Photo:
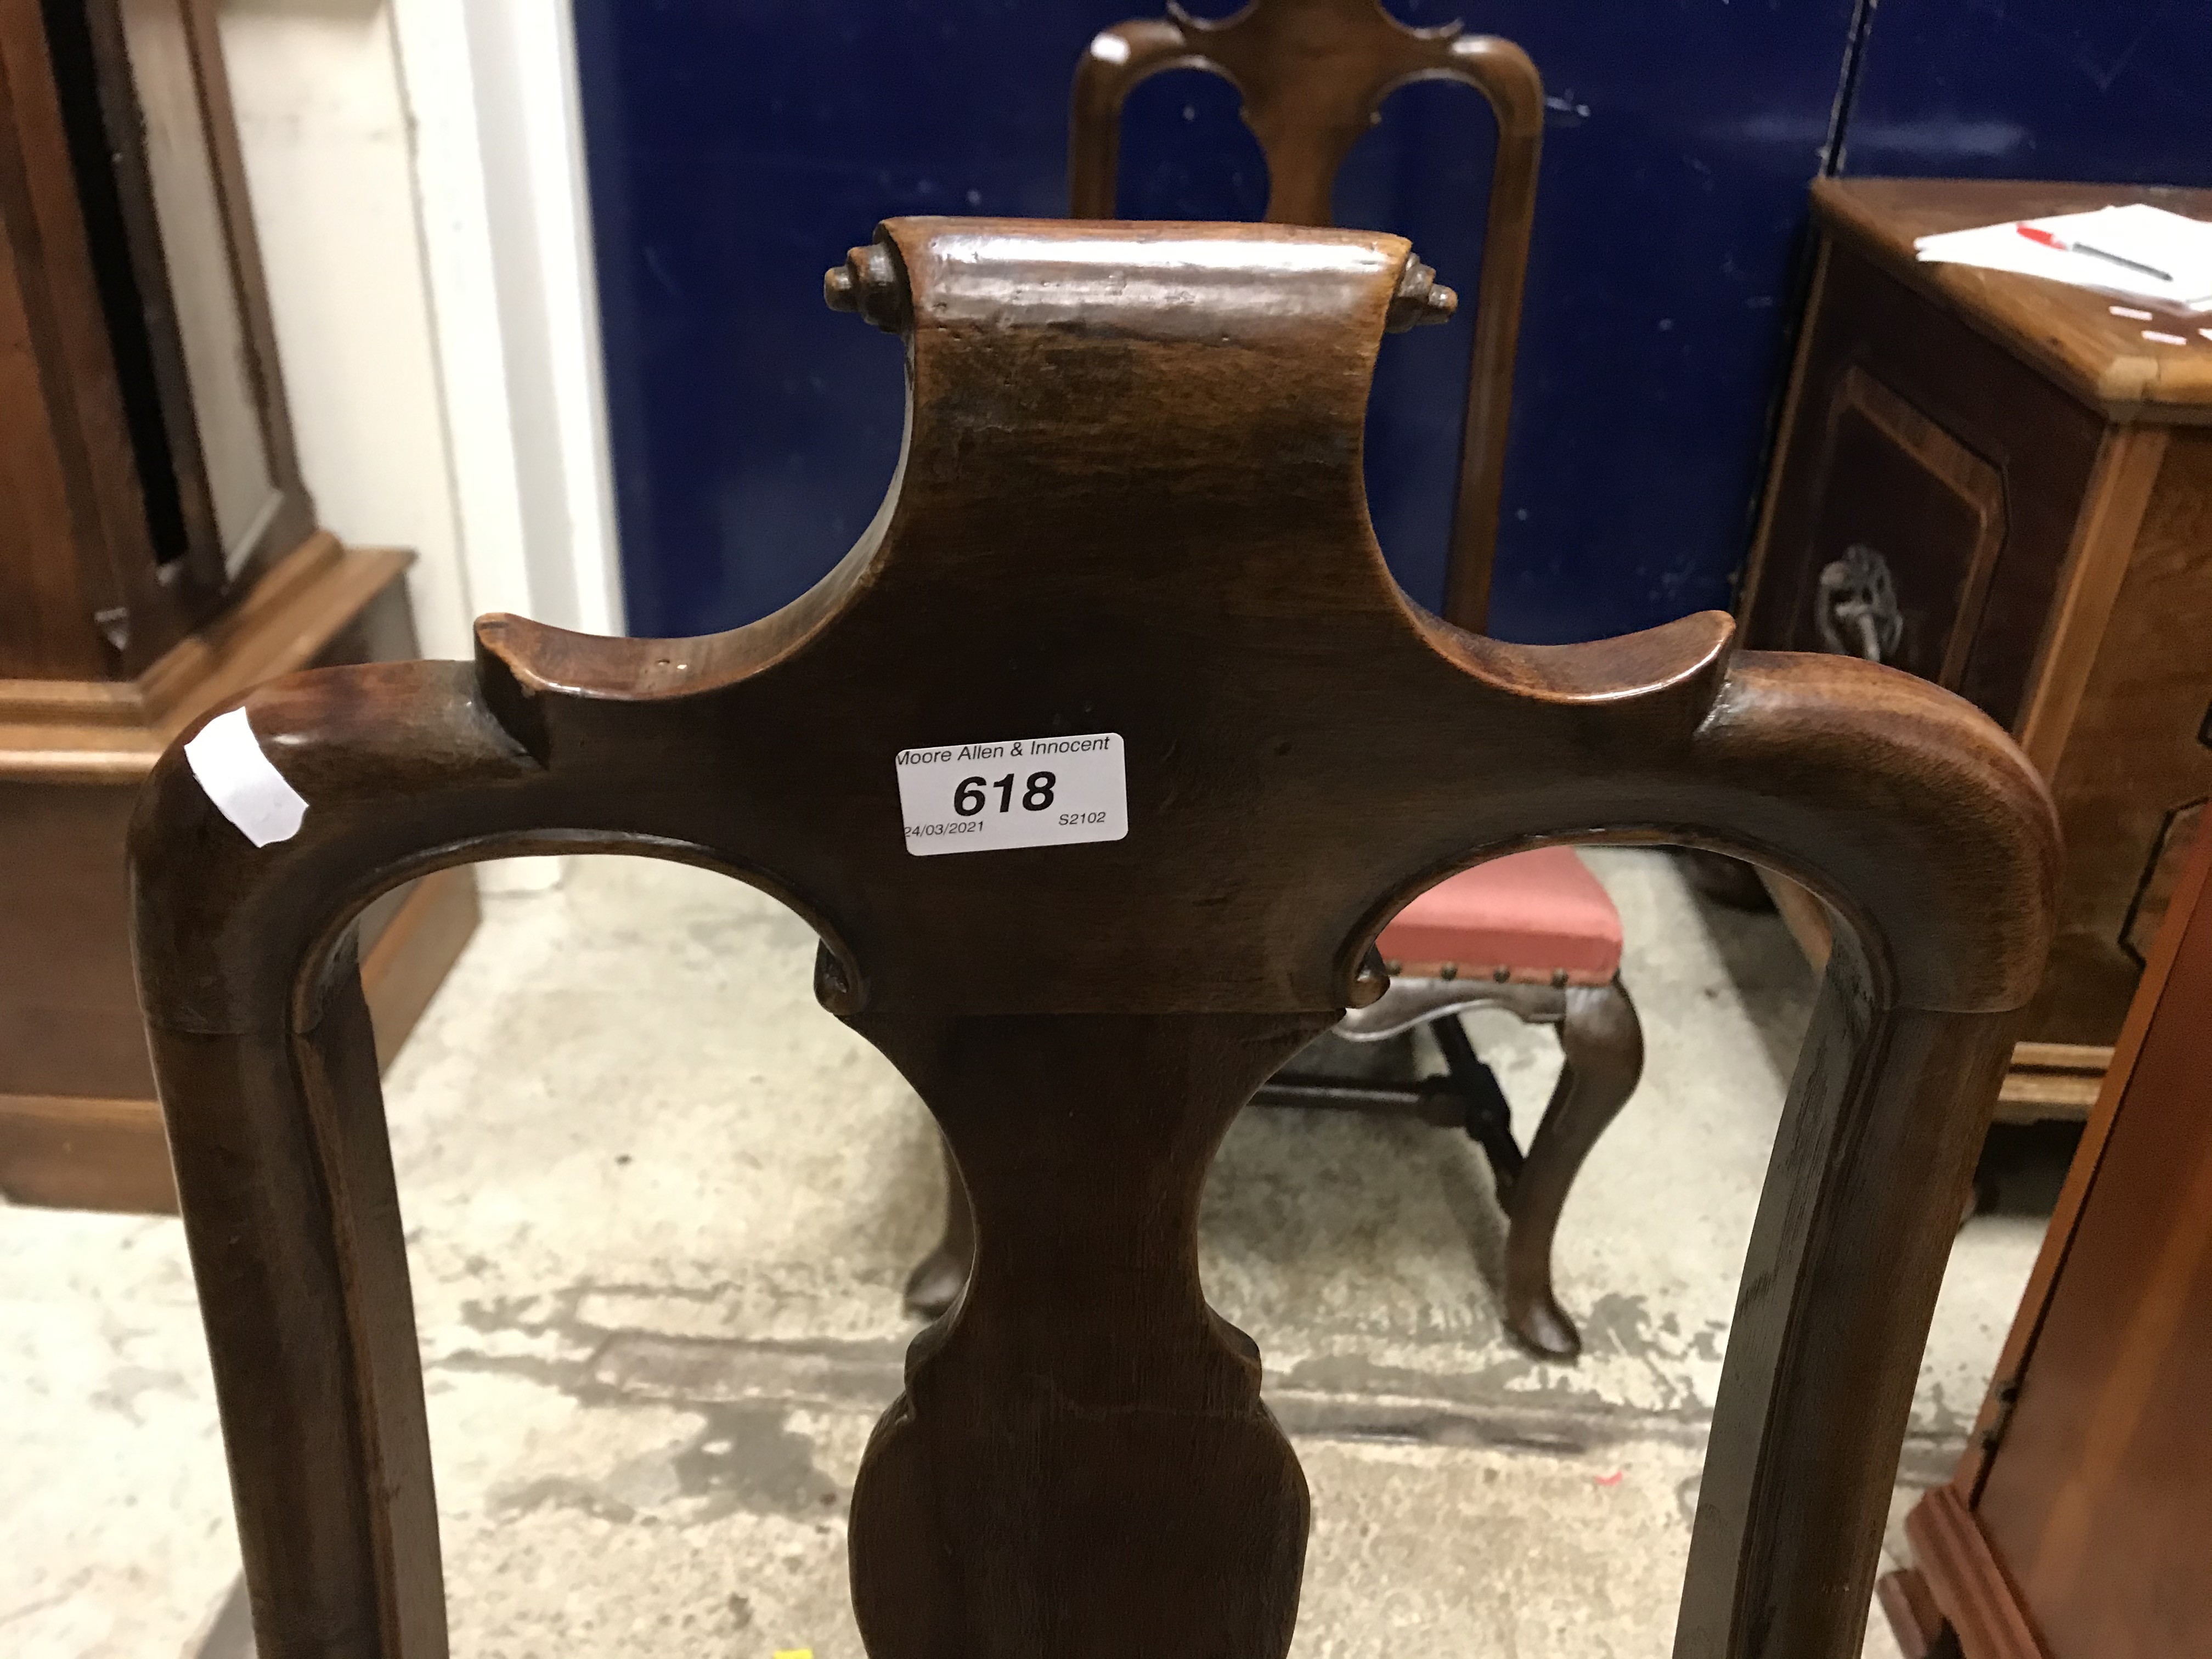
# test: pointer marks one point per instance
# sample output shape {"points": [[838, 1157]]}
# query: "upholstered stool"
{"points": [[1536, 918], [1533, 933]]}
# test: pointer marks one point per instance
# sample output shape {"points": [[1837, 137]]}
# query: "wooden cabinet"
{"points": [[150, 457], [2080, 1524], [2005, 485], [158, 551]]}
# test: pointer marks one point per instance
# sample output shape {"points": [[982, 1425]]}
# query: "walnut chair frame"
{"points": [[1129, 501], [1313, 74], [1601, 1061]]}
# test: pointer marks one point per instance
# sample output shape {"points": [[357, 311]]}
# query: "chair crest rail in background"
{"points": [[1130, 503], [1313, 74]]}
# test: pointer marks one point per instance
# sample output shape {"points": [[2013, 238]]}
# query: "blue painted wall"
{"points": [[736, 149], [2094, 90], [1679, 143]]}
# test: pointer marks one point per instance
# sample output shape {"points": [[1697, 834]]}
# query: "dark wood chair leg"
{"points": [[1724, 880], [1603, 1045], [934, 1284], [1489, 1120]]}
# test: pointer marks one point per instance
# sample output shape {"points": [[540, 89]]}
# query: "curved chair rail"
{"points": [[1129, 503]]}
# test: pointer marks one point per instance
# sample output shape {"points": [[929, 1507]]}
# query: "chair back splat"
{"points": [[1128, 537], [1314, 74]]}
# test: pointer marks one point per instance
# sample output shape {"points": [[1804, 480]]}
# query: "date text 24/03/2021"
{"points": [[1018, 791]]}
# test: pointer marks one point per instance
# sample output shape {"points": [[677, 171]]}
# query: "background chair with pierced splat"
{"points": [[1107, 520], [1534, 932]]}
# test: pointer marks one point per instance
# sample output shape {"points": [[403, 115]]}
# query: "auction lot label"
{"points": [[1025, 792]]}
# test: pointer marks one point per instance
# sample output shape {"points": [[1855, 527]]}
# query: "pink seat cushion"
{"points": [[1532, 914]]}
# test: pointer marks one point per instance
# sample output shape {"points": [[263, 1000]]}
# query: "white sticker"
{"points": [[226, 758], [1025, 792]]}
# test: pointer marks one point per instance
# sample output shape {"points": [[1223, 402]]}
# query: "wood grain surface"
{"points": [[1130, 502], [73, 536], [1966, 1582], [124, 231], [80, 1152], [2086, 638], [324, 603], [2090, 1466], [1876, 326], [2135, 769], [1314, 75], [2070, 334]]}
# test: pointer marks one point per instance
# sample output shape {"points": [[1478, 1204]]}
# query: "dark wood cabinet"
{"points": [[158, 551], [2004, 485]]}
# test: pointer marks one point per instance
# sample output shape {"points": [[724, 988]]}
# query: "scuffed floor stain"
{"points": [[748, 1456]]}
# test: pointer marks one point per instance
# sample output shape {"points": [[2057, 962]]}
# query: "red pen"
{"points": [[2065, 245]]}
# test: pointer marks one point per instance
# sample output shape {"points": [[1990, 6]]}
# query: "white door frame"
{"points": [[491, 89]]}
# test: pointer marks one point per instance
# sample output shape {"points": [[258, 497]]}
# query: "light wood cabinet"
{"points": [[2080, 1521], [158, 552]]}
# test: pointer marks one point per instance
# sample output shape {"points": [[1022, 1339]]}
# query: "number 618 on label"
{"points": [[1020, 792]]}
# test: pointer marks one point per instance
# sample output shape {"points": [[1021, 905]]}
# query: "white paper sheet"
{"points": [[2149, 235]]}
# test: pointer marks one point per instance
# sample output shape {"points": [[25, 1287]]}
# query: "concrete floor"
{"points": [[660, 1208]]}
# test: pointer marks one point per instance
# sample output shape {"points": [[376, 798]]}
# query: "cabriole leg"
{"points": [[1603, 1046]]}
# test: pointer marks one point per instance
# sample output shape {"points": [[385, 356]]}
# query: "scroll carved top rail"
{"points": [[1129, 503]]}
